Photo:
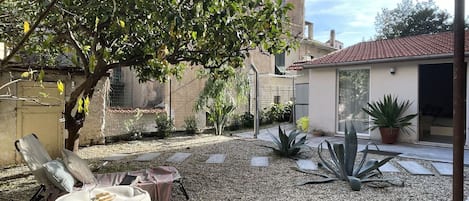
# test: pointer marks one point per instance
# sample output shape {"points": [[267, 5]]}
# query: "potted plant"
{"points": [[388, 116]]}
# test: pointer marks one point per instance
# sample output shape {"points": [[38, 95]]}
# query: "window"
{"points": [[280, 64], [116, 94], [353, 95], [277, 99]]}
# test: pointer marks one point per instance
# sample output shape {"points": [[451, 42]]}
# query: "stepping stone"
{"points": [[216, 158], [306, 165], [116, 157], [388, 167], [178, 157], [259, 161], [414, 168], [444, 169], [147, 156]]}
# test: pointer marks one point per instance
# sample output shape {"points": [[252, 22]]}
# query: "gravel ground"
{"points": [[235, 179]]}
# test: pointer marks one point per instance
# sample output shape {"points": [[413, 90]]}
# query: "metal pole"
{"points": [[293, 108], [170, 116], [256, 108], [459, 107]]}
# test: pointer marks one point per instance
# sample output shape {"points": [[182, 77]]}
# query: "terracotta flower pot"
{"points": [[389, 135]]}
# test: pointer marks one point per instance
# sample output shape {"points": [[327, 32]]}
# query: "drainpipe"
{"points": [[256, 95], [459, 107]]}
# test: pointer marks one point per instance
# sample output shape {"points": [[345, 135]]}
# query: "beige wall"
{"points": [[7, 125], [184, 93], [20, 118]]}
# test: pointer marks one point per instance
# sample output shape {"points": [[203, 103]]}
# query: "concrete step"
{"points": [[259, 161], [444, 169], [147, 156], [216, 158], [116, 157], [178, 157], [388, 167], [306, 164], [414, 168]]}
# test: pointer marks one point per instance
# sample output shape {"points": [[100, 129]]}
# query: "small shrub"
{"points": [[286, 145], [276, 112], [235, 122], [164, 124], [287, 111], [133, 125], [303, 124], [247, 120], [190, 124]]}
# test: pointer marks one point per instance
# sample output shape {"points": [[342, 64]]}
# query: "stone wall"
{"points": [[115, 121], [93, 128]]}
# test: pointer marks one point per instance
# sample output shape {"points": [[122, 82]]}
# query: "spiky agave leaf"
{"points": [[350, 146], [328, 166]]}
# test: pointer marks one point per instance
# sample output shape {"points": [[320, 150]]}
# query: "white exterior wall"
{"points": [[322, 99], [403, 84]]}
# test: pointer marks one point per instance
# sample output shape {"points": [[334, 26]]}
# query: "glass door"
{"points": [[353, 95]]}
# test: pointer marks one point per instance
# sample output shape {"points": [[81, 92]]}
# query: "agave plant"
{"points": [[286, 145], [342, 163]]}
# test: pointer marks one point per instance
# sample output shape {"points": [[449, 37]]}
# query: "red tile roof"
{"points": [[407, 48]]}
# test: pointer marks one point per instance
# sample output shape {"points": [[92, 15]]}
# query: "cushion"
{"points": [[78, 167], [59, 175]]}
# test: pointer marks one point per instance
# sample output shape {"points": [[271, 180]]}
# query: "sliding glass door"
{"points": [[353, 95]]}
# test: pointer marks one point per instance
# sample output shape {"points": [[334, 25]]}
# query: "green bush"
{"points": [[303, 124], [164, 124], [247, 120], [190, 124], [235, 122]]}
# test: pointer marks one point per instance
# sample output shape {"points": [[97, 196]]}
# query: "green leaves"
{"points": [[286, 145], [389, 112]]}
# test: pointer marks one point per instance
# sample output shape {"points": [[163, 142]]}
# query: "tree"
{"points": [[220, 97], [157, 39], [410, 19]]}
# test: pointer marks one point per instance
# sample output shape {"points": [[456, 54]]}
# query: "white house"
{"points": [[416, 68]]}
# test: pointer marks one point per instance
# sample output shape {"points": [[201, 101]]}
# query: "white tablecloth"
{"points": [[121, 193]]}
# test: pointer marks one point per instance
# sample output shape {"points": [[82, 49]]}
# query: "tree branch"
{"points": [[78, 49], [26, 36]]}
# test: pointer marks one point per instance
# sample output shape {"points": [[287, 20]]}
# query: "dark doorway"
{"points": [[436, 102]]}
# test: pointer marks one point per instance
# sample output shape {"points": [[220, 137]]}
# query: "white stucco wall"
{"points": [[403, 84], [322, 101]]}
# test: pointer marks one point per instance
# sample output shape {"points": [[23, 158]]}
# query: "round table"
{"points": [[120, 193]]}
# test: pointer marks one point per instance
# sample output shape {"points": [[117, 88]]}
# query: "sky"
{"points": [[353, 20]]}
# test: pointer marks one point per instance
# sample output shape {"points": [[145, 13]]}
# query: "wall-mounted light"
{"points": [[392, 70]]}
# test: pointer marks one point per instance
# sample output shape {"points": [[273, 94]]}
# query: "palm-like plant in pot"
{"points": [[388, 115]]}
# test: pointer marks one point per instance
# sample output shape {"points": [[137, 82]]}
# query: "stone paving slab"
{"points": [[216, 158], [445, 169], [388, 167], [147, 156], [414, 168], [259, 161], [178, 157], [116, 157], [306, 164]]}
